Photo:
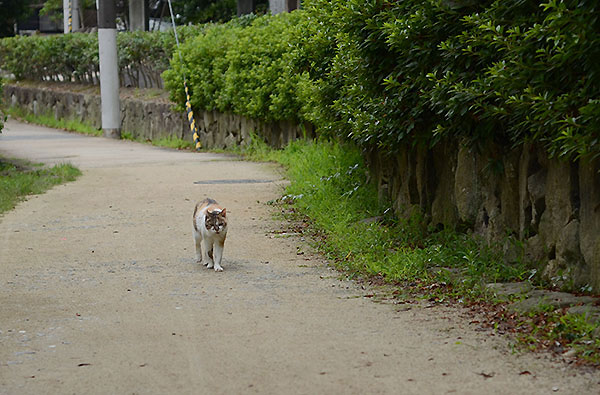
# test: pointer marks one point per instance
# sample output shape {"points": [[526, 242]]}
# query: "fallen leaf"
{"points": [[487, 375]]}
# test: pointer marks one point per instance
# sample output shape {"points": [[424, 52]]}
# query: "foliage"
{"points": [[511, 71], [34, 58], [330, 193], [202, 11], [384, 74], [54, 8], [50, 120], [378, 73], [10, 12], [240, 66], [19, 180]]}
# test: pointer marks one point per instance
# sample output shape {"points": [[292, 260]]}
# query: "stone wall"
{"points": [[148, 119], [551, 208]]}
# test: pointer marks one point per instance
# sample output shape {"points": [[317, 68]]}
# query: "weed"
{"points": [[167, 142], [19, 180], [173, 142], [359, 234], [559, 331], [47, 119], [258, 150]]}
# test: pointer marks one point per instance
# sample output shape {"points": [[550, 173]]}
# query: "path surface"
{"points": [[99, 293]]}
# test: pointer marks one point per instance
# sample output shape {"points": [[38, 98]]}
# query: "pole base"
{"points": [[112, 133]]}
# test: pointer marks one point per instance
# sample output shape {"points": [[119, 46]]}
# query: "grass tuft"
{"points": [[49, 120], [19, 180], [84, 128]]}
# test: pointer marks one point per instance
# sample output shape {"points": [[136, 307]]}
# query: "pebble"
{"points": [[24, 353]]}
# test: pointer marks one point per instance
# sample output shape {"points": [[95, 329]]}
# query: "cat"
{"points": [[210, 231]]}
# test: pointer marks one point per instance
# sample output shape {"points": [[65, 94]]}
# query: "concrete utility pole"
{"points": [[138, 15], [245, 7], [109, 69], [71, 16], [279, 6]]}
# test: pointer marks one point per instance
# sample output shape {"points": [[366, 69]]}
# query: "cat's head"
{"points": [[216, 220]]}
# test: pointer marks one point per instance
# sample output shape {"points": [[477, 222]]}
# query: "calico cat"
{"points": [[210, 231]]}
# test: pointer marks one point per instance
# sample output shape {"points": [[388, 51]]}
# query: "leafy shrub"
{"points": [[74, 57], [240, 66], [417, 71], [385, 73], [380, 73]]}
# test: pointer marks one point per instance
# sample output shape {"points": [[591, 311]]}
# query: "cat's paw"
{"points": [[209, 265], [218, 268]]}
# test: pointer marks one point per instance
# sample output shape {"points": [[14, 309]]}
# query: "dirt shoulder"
{"points": [[99, 293]]}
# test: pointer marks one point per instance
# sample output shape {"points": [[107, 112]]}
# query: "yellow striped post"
{"points": [[188, 104], [70, 16], [190, 116]]}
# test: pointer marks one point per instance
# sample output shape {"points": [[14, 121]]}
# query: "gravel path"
{"points": [[99, 293]]}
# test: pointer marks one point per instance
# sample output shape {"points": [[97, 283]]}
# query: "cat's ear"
{"points": [[224, 212]]}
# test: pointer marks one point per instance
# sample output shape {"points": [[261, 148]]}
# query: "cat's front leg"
{"points": [[198, 242], [218, 255], [206, 260]]}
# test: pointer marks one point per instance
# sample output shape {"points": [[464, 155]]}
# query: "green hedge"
{"points": [[74, 57], [380, 73], [388, 73], [241, 66]]}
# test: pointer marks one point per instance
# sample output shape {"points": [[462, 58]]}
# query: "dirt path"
{"points": [[99, 293]]}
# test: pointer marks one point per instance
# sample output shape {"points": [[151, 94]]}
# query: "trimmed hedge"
{"points": [[380, 73], [241, 66], [388, 73], [74, 57]]}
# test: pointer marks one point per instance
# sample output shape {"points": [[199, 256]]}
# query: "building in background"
{"points": [[36, 23]]}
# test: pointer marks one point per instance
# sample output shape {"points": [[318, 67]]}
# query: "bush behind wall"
{"points": [[386, 73]]}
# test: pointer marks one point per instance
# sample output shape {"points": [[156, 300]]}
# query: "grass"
{"points": [[85, 128], [166, 142], [49, 120], [562, 331], [361, 236], [20, 179]]}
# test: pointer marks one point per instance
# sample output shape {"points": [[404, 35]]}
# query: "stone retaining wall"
{"points": [[551, 208], [152, 120]]}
